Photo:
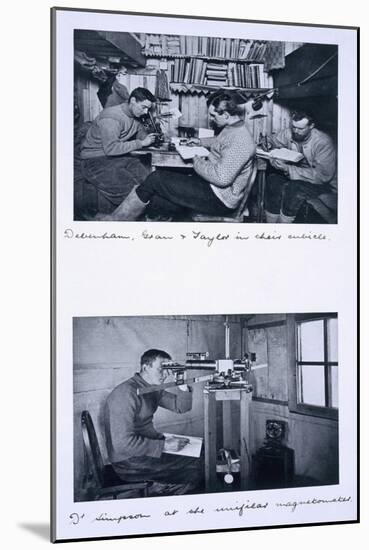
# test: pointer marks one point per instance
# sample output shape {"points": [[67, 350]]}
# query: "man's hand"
{"points": [[194, 141], [174, 444], [149, 140], [168, 376], [279, 165], [184, 387]]}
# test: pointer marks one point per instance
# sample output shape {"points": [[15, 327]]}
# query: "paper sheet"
{"points": [[205, 133], [192, 448], [188, 152], [281, 154]]}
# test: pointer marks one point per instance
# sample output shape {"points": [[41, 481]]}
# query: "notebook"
{"points": [[188, 152], [192, 447], [281, 154]]}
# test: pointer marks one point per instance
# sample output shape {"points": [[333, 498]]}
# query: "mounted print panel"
{"points": [[204, 368]]}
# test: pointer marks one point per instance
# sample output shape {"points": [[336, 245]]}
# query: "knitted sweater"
{"points": [[229, 164], [319, 163], [129, 427], [115, 131]]}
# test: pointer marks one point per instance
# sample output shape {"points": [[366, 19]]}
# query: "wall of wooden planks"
{"points": [[192, 105], [107, 350]]}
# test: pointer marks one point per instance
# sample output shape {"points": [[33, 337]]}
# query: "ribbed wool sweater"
{"points": [[229, 164]]}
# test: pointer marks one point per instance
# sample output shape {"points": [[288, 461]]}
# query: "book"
{"points": [[281, 154], [188, 152], [205, 133]]}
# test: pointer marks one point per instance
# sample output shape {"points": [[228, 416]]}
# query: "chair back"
{"points": [[92, 448], [246, 193], [237, 215]]}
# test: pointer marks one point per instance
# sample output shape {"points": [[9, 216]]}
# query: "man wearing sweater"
{"points": [[218, 183], [137, 451], [289, 185], [116, 131]]}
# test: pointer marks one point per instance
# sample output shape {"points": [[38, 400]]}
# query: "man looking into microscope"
{"points": [[116, 131]]}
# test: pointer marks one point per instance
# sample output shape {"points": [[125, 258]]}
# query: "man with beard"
{"points": [[289, 185], [218, 183]]}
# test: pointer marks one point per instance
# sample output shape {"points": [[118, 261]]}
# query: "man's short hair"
{"points": [[299, 115], [151, 354], [142, 94], [227, 102]]}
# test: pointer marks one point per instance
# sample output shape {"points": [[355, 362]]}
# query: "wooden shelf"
{"points": [[196, 56], [182, 87]]}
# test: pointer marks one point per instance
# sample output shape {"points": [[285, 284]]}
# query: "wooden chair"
{"points": [[237, 216], [106, 481]]}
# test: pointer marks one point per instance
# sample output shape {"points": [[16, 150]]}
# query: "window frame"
{"points": [[293, 322]]}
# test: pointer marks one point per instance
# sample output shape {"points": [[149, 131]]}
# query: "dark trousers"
{"points": [[167, 469], [114, 177], [286, 196], [174, 193]]}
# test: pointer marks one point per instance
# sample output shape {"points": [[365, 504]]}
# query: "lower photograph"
{"points": [[191, 405]]}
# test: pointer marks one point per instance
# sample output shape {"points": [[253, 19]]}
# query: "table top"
{"points": [[168, 159], [161, 157]]}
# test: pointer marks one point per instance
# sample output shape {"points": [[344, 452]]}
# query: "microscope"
{"points": [[153, 127]]}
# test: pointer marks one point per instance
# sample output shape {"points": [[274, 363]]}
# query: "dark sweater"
{"points": [[115, 131], [129, 424]]}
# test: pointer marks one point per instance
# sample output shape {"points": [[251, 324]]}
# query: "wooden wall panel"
{"points": [[106, 352]]}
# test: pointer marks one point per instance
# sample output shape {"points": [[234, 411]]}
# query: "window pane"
{"points": [[312, 385], [311, 340], [332, 340], [334, 371]]}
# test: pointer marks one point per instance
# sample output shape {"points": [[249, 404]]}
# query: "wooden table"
{"points": [[168, 159], [244, 396]]}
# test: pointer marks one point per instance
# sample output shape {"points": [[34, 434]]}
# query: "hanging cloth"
{"points": [[162, 86], [274, 56]]}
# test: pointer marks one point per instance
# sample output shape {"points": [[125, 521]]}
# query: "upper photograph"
{"points": [[204, 129]]}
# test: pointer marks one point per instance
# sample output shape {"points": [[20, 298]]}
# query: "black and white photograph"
{"points": [[204, 374], [174, 127], [176, 405]]}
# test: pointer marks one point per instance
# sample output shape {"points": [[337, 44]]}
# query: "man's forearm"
{"points": [[179, 402], [112, 144], [118, 148], [127, 445]]}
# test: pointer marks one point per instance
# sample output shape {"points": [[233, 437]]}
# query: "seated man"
{"points": [[136, 450], [291, 184], [219, 182], [115, 132]]}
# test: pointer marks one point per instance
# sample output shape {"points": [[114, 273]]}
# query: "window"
{"points": [[313, 351]]}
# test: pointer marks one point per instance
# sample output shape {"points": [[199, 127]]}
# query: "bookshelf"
{"points": [[217, 73], [204, 46], [196, 66], [209, 61]]}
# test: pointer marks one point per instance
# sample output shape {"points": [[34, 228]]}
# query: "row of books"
{"points": [[198, 71], [247, 76], [228, 48]]}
